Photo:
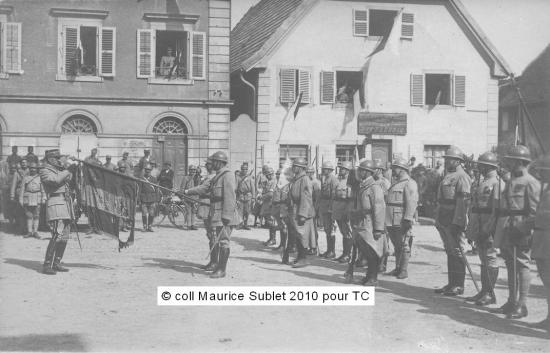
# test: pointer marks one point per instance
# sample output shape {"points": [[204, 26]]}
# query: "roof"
{"points": [[266, 24]]}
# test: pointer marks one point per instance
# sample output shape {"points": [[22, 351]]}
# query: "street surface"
{"points": [[107, 302]]}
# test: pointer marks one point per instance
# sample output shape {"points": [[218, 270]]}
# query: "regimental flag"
{"points": [[296, 105], [108, 198]]}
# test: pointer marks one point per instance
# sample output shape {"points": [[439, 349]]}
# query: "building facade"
{"points": [[118, 75], [393, 78]]}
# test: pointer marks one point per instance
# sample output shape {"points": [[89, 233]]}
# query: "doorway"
{"points": [[172, 149], [382, 151]]}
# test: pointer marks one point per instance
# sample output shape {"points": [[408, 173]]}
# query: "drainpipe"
{"points": [[254, 117]]}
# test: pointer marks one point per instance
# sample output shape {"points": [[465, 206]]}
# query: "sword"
{"points": [[73, 221], [216, 241], [468, 266]]}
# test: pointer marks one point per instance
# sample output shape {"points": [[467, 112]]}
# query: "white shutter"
{"points": [[328, 87], [70, 46], [288, 85], [459, 90], [361, 23], [107, 57], [11, 47], [145, 53], [417, 89], [304, 85], [407, 25], [198, 55]]}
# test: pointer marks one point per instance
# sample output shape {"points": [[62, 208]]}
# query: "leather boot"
{"points": [[348, 244], [524, 282], [343, 250], [449, 284], [59, 251], [331, 245], [284, 235], [48, 260], [372, 271], [489, 297], [324, 255], [271, 240], [398, 259], [511, 302], [301, 259], [29, 232], [458, 277], [403, 273], [150, 220], [224, 257], [383, 264], [483, 290], [211, 266], [144, 220], [245, 224]]}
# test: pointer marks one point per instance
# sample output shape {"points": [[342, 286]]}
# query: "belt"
{"points": [[394, 204], [506, 213], [482, 210], [447, 202], [342, 198], [216, 199], [57, 194]]}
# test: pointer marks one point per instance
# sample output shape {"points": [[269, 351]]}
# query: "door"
{"points": [[381, 150], [172, 149], [77, 145]]}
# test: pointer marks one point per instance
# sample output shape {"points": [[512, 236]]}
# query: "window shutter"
{"points": [[304, 85], [328, 87], [70, 46], [360, 23], [407, 25], [459, 91], [108, 46], [198, 54], [417, 89], [145, 53], [288, 85], [11, 47]]}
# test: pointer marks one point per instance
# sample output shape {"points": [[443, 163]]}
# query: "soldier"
{"points": [[368, 219], [92, 158], [128, 167], [149, 198], [166, 176], [452, 217], [188, 182], [379, 171], [59, 213], [143, 161], [286, 214], [341, 205], [123, 225], [540, 249], [245, 193], [316, 194], [31, 198], [14, 158], [402, 201], [328, 187], [276, 208], [8, 208], [260, 182], [31, 157], [108, 164], [481, 227], [513, 234], [267, 197], [15, 193]]}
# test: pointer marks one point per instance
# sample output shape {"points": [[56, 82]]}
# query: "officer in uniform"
{"points": [[149, 198], [326, 199], [125, 164], [92, 158], [341, 205], [188, 182], [15, 193], [368, 220], [59, 213], [379, 170], [245, 193], [452, 217], [31, 198], [402, 201], [31, 157], [267, 197], [108, 164], [145, 160], [316, 194], [518, 207], [481, 226], [276, 208], [540, 249]]}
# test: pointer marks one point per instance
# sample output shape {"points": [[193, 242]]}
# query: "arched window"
{"points": [[78, 124], [170, 126]]}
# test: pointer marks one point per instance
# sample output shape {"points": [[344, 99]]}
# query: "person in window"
{"points": [[342, 96], [166, 62]]}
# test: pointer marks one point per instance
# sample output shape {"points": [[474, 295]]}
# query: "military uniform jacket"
{"points": [[166, 178], [342, 200], [301, 197], [369, 214], [149, 193], [245, 187], [223, 201], [285, 206], [267, 196], [276, 201], [54, 182], [14, 159], [109, 166], [128, 165], [316, 194], [384, 183], [540, 248], [402, 200], [32, 192], [203, 192], [484, 198], [31, 158], [15, 190], [328, 186], [93, 160], [453, 196], [518, 207]]}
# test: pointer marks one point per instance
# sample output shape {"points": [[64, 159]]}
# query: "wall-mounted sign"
{"points": [[382, 124]]}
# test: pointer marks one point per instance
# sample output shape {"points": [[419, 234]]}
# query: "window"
{"points": [[433, 89], [294, 82], [379, 23], [347, 153], [433, 154], [170, 126], [171, 56], [78, 124], [438, 89], [293, 151], [10, 48]]}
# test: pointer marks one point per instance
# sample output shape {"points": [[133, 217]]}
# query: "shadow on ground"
{"points": [[66, 342], [37, 265]]}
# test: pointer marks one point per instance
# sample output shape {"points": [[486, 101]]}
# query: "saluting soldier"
{"points": [[245, 193], [518, 207], [379, 178], [341, 205], [32, 196], [268, 188], [402, 201], [328, 187], [149, 198], [452, 219], [189, 182], [55, 179], [368, 219], [481, 226]]}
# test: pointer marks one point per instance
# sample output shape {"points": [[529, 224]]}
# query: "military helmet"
{"points": [[244, 165], [219, 156], [401, 163], [367, 165], [328, 165], [543, 162], [299, 162], [454, 152], [519, 152], [488, 158], [310, 169], [192, 167], [379, 165], [346, 165], [269, 171]]}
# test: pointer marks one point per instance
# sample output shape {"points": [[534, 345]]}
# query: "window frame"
{"points": [[380, 7], [4, 73], [351, 148], [433, 157], [282, 152], [299, 72], [453, 101]]}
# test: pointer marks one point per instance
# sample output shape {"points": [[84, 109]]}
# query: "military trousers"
{"points": [[453, 243], [223, 235], [345, 228], [401, 241], [148, 209], [523, 256], [487, 252], [328, 222]]}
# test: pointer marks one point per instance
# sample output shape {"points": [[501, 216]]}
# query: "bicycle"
{"points": [[174, 208]]}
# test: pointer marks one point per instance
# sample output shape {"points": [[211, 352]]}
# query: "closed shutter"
{"points": [[407, 25], [459, 91], [417, 89], [304, 85], [328, 87], [198, 55], [70, 50], [11, 47], [108, 46], [360, 23], [288, 85], [145, 53]]}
